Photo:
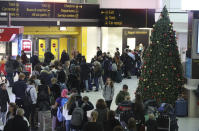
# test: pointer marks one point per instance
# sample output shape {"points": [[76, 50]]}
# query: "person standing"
{"points": [[24, 57], [99, 51], [85, 72], [121, 95], [64, 57], [19, 90], [34, 59], [9, 68], [31, 90], [4, 99], [17, 123], [48, 57], [108, 92]]}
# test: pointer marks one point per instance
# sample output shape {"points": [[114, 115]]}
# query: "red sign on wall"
{"points": [[26, 45], [9, 33]]}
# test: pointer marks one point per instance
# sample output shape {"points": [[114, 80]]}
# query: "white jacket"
{"points": [[33, 93]]}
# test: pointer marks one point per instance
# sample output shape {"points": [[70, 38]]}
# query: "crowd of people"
{"points": [[56, 86]]}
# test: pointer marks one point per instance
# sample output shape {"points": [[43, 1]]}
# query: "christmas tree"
{"points": [[161, 73]]}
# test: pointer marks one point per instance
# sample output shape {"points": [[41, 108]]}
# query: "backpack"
{"points": [[126, 115], [60, 116], [126, 112], [28, 100], [77, 116]]}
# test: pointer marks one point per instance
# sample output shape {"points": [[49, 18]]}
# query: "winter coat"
{"points": [[9, 66], [97, 71], [46, 76], [34, 60], [33, 93], [24, 59], [108, 93], [121, 97], [99, 53], [110, 124], [4, 99], [64, 57], [19, 89], [61, 76], [43, 99], [114, 67], [102, 116], [85, 70], [16, 124]]}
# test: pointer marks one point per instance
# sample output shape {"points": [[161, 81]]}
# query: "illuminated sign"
{"points": [[49, 10], [127, 17]]}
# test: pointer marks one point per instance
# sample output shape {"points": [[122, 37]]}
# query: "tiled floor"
{"points": [[185, 124]]}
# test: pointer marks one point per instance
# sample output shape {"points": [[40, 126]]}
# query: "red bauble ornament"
{"points": [[170, 54], [145, 89], [165, 34], [152, 97], [151, 71]]}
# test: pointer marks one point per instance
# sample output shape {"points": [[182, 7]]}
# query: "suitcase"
{"points": [[181, 107]]}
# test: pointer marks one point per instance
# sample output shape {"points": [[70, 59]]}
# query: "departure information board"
{"points": [[127, 17], [98, 17], [49, 10]]}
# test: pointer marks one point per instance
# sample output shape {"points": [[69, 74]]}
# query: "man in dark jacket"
{"points": [[24, 58], [48, 57], [19, 90], [34, 60], [9, 68], [85, 70], [99, 51], [64, 57], [4, 100], [121, 95], [17, 123]]}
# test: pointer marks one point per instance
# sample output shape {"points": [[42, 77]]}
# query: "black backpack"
{"points": [[28, 100]]}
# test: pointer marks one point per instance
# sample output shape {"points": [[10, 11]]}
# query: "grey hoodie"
{"points": [[108, 93]]}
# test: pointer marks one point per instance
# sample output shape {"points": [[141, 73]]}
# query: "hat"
{"points": [[64, 93]]}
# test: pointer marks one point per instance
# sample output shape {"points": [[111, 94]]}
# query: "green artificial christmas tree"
{"points": [[161, 74]]}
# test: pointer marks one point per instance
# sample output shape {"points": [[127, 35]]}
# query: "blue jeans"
{"points": [[67, 125], [10, 78], [3, 116], [96, 81], [86, 84]]}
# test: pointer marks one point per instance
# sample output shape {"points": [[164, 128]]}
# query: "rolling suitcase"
{"points": [[181, 107]]}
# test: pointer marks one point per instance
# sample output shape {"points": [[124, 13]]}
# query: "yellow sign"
{"points": [[54, 48], [42, 47]]}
